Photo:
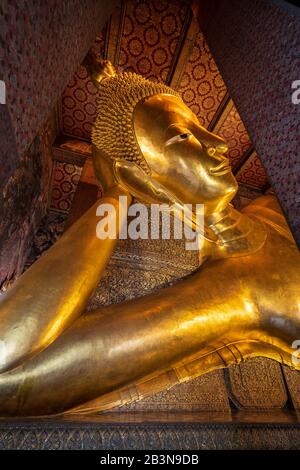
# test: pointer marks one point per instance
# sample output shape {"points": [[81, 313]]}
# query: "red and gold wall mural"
{"points": [[150, 36], [202, 87], [252, 173], [65, 178], [232, 129]]}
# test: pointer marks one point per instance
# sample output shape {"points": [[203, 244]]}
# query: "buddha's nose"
{"points": [[222, 148], [218, 150]]}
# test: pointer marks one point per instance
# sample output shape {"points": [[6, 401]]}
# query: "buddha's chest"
{"points": [[272, 277]]}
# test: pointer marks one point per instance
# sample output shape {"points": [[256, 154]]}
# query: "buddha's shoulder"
{"points": [[268, 210], [268, 201]]}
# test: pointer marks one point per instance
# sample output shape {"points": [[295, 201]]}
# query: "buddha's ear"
{"points": [[138, 183]]}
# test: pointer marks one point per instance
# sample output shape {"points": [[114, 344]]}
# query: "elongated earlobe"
{"points": [[139, 184]]}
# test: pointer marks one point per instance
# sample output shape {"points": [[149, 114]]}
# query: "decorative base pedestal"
{"points": [[126, 431]]}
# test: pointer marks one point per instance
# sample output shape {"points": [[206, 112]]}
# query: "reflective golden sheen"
{"points": [[242, 302]]}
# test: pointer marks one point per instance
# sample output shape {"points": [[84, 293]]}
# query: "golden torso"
{"points": [[267, 279]]}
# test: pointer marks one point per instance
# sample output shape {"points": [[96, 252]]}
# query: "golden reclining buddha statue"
{"points": [[243, 301]]}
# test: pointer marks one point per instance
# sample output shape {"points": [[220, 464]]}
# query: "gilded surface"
{"points": [[242, 302]]}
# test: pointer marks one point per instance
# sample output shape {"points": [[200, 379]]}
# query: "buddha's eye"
{"points": [[178, 138]]}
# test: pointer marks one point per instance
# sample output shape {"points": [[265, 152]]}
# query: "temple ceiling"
{"points": [[162, 41]]}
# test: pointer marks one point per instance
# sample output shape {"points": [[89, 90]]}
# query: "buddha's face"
{"points": [[183, 157]]}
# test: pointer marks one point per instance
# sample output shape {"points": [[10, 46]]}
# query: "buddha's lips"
{"points": [[221, 169]]}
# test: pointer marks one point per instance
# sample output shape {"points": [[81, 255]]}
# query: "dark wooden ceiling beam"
{"points": [[183, 51], [224, 103], [114, 34], [239, 165], [266, 187], [65, 154]]}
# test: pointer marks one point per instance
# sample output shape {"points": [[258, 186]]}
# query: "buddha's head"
{"points": [[148, 141]]}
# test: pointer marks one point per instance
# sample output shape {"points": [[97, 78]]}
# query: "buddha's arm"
{"points": [[54, 291], [121, 343]]}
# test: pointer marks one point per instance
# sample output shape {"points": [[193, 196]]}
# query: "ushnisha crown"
{"points": [[119, 93]]}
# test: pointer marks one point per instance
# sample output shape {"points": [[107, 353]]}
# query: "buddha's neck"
{"points": [[232, 234]]}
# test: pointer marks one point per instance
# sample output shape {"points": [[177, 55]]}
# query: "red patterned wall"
{"points": [[150, 36], [256, 44], [232, 129], [64, 182], [40, 44], [202, 87], [79, 100], [252, 173]]}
